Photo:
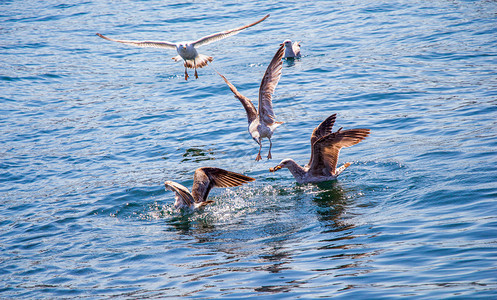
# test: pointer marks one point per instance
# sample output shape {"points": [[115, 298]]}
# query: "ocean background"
{"points": [[91, 129]]}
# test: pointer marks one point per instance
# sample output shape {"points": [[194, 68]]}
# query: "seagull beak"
{"points": [[275, 168], [281, 44]]}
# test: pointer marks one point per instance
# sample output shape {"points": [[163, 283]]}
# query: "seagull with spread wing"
{"points": [[292, 50], [325, 146], [261, 122], [186, 50], [204, 180]]}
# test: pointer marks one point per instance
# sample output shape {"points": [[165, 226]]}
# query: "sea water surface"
{"points": [[91, 129]]}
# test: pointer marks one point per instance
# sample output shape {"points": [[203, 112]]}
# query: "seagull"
{"points": [[204, 180], [261, 122], [186, 50], [291, 50], [325, 146]]}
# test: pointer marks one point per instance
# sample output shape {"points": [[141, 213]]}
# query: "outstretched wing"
{"points": [[206, 178], [323, 129], [224, 34], [182, 194], [153, 44], [247, 104], [326, 149], [268, 84]]}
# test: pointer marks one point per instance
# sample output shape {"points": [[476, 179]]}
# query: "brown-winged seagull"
{"points": [[186, 50], [325, 146], [291, 50], [204, 180], [261, 122]]}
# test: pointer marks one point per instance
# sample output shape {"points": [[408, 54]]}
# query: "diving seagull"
{"points": [[187, 50], [203, 181], [261, 122], [291, 50], [325, 146]]}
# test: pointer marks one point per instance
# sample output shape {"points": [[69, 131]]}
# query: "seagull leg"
{"points": [[259, 157], [195, 66], [270, 145], [186, 74]]}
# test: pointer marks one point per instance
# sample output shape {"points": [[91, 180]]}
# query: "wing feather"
{"points": [[323, 129], [182, 192], [247, 104], [296, 48], [326, 149], [206, 178], [154, 44], [224, 34], [268, 85]]}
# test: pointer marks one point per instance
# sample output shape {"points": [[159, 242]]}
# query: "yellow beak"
{"points": [[275, 168]]}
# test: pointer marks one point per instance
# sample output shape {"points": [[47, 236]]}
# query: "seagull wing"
{"points": [[323, 129], [182, 192], [206, 178], [326, 149], [153, 44], [247, 104], [224, 34], [268, 84], [296, 48]]}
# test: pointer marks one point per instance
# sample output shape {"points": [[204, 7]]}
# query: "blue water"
{"points": [[90, 130]]}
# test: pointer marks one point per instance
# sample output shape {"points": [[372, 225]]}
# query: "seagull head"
{"points": [[182, 45], [287, 43], [283, 164]]}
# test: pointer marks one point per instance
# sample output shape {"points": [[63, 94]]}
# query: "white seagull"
{"points": [[203, 181], [261, 122], [186, 50], [291, 50], [325, 146]]}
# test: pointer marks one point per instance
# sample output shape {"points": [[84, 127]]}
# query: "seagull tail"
{"points": [[199, 62], [275, 124], [340, 170], [202, 60]]}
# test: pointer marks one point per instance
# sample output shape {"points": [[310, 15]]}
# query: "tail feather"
{"points": [[275, 124], [199, 62], [340, 170]]}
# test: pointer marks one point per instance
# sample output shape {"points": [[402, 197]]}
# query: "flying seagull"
{"points": [[291, 50], [187, 50], [203, 181], [261, 122], [325, 146]]}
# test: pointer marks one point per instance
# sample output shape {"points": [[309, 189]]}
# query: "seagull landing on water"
{"points": [[291, 50], [325, 146], [186, 50], [203, 181], [261, 122]]}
